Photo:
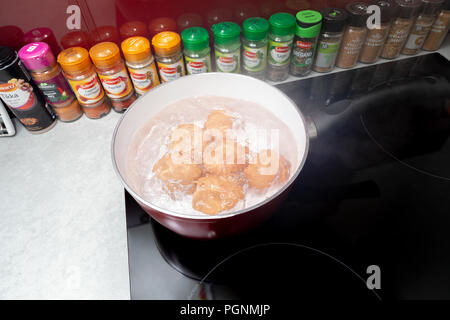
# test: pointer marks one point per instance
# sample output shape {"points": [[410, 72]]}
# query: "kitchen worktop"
{"points": [[62, 219], [62, 229]]}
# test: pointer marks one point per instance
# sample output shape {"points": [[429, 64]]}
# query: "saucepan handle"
{"points": [[414, 91]]}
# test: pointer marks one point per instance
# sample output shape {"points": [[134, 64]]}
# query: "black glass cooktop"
{"points": [[367, 219]]}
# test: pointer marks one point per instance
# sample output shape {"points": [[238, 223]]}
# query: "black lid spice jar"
{"points": [[354, 35], [422, 26], [21, 95], [439, 29], [401, 26], [376, 37], [333, 25]]}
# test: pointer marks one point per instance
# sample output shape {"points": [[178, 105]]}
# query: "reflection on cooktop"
{"points": [[374, 193]]}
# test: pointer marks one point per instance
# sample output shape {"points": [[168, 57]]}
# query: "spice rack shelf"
{"points": [[444, 50]]}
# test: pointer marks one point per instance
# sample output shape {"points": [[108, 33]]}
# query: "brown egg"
{"points": [[176, 174], [225, 158], [214, 194], [218, 122], [186, 139], [268, 168]]}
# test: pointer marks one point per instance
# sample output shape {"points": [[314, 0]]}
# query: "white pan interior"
{"points": [[211, 84]]}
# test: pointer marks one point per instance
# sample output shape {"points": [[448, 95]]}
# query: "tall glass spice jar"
{"points": [[439, 29], [21, 95], [281, 36], [227, 46], [333, 25], [140, 63], [307, 32], [254, 53], [81, 76], [354, 35], [422, 26], [377, 37], [113, 75], [169, 56], [197, 53], [401, 26], [46, 73]]}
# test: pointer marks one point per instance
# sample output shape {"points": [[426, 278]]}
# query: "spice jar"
{"points": [[422, 26], [281, 36], [439, 29], [42, 35], [197, 53], [354, 35], [21, 95], [140, 63], [309, 23], [46, 73], [168, 54], [227, 46], [113, 75], [254, 53], [333, 25], [401, 27], [80, 73], [133, 29], [377, 37]]}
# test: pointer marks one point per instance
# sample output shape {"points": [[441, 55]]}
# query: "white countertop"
{"points": [[62, 217]]}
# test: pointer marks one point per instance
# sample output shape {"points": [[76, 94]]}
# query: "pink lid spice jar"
{"points": [[46, 73]]}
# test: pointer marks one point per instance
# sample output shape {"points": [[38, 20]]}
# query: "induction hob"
{"points": [[371, 207]]}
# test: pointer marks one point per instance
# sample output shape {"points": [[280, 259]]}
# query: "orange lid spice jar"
{"points": [[82, 78], [169, 56], [140, 63], [113, 75]]}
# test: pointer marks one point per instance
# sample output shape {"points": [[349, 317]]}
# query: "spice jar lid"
{"points": [[75, 59], [431, 6], [309, 23], [105, 54], [195, 38], [334, 20], [133, 29], [388, 10], [36, 56], [446, 5], [166, 42], [357, 12], [255, 29], [408, 8], [282, 24], [7, 56], [136, 49], [226, 32]]}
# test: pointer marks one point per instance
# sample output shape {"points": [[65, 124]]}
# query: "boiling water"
{"points": [[254, 126]]}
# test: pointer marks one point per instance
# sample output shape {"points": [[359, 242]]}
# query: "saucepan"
{"points": [[224, 85]]}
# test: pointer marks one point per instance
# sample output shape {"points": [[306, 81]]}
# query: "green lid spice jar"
{"points": [[254, 54], [334, 22], [197, 53], [309, 23], [281, 36], [227, 46]]}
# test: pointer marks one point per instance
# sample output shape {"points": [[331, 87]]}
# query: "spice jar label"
{"points": [[172, 71], [17, 94], [417, 36], [228, 62], [326, 54], [118, 85], [144, 79], [255, 59], [303, 54], [55, 90], [280, 52], [88, 91], [200, 65]]}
